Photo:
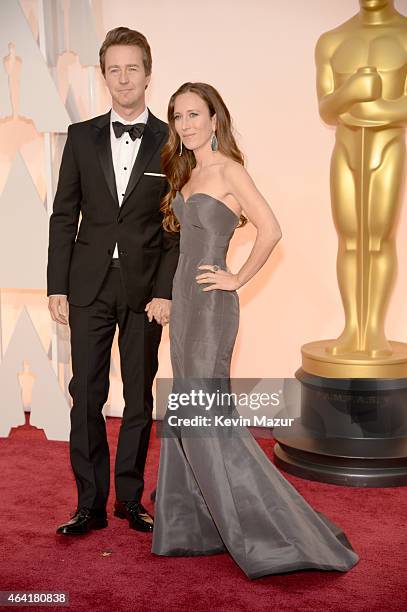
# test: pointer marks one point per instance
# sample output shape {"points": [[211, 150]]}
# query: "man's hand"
{"points": [[160, 309], [58, 307]]}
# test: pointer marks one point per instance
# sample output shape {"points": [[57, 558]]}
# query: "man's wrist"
{"points": [[155, 297]]}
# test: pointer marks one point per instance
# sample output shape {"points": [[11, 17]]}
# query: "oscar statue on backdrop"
{"points": [[353, 426]]}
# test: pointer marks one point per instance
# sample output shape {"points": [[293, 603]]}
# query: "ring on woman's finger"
{"points": [[215, 268]]}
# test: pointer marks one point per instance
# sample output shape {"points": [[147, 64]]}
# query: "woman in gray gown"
{"points": [[217, 491]]}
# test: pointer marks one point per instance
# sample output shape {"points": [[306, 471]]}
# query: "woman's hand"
{"points": [[220, 279]]}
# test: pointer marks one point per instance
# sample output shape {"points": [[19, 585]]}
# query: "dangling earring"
{"points": [[214, 143], [180, 147]]}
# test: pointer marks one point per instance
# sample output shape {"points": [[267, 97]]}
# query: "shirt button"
{"points": [[125, 167], [120, 221], [127, 142]]}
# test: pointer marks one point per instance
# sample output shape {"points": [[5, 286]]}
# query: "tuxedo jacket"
{"points": [[79, 260]]}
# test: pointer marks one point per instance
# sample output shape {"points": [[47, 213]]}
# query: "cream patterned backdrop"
{"points": [[260, 55]]}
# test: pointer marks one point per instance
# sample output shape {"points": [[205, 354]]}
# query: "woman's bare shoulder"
{"points": [[233, 169]]}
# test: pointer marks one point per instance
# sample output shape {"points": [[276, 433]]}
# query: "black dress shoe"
{"points": [[83, 521], [138, 517]]}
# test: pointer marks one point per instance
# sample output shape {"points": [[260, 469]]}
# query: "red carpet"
{"points": [[38, 493]]}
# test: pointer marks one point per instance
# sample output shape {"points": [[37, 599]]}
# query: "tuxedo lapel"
{"points": [[149, 144], [104, 150]]}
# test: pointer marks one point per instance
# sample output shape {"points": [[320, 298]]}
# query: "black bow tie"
{"points": [[135, 130]]}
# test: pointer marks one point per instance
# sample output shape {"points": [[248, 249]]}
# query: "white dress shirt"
{"points": [[124, 153]]}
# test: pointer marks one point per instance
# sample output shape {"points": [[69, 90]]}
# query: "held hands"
{"points": [[159, 309], [221, 279], [58, 307]]}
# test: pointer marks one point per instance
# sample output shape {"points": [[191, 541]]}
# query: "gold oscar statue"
{"points": [[362, 90], [352, 429]]}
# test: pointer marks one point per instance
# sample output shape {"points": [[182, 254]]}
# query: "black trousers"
{"points": [[92, 331]]}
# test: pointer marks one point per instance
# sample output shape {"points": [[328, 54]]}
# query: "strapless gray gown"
{"points": [[222, 493]]}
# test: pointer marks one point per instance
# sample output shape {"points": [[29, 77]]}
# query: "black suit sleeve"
{"points": [[168, 263], [63, 224]]}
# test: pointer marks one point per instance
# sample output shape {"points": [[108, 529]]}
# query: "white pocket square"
{"points": [[154, 174]]}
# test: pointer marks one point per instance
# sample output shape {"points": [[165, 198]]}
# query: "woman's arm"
{"points": [[241, 186]]}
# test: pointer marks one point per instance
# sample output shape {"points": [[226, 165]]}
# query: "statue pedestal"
{"points": [[352, 431], [316, 360]]}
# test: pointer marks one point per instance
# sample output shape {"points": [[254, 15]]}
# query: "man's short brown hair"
{"points": [[125, 36]]}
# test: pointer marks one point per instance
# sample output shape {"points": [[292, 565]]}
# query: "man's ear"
{"points": [[148, 79]]}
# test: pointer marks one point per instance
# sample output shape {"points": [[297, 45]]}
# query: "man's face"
{"points": [[125, 75]]}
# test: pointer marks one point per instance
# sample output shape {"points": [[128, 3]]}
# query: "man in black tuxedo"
{"points": [[118, 269]]}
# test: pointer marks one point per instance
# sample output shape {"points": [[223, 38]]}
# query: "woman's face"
{"points": [[192, 121]]}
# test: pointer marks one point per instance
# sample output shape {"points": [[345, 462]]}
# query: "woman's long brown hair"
{"points": [[178, 168]]}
